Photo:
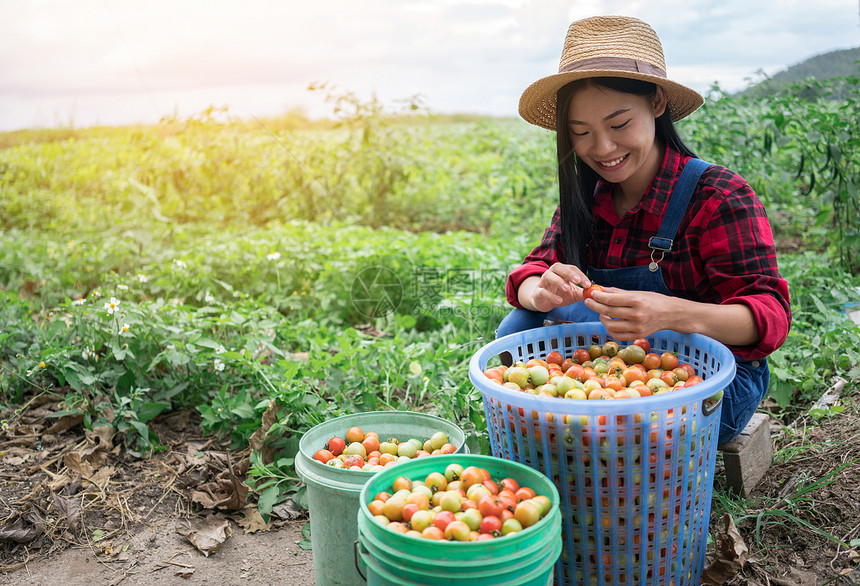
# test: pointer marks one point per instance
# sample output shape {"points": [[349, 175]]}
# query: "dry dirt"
{"points": [[76, 508]]}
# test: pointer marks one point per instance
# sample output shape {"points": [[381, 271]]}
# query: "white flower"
{"points": [[180, 264], [112, 305], [273, 255], [221, 349], [122, 287], [141, 278], [125, 327], [87, 352], [209, 298], [80, 301], [96, 293], [219, 364]]}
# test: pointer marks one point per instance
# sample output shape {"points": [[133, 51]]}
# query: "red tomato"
{"points": [[581, 355], [644, 344], [554, 358], [370, 443], [524, 493], [491, 524], [323, 456], [651, 361], [586, 293], [491, 505], [442, 519], [336, 445]]}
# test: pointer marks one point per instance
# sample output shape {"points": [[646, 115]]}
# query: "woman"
{"points": [[691, 253]]}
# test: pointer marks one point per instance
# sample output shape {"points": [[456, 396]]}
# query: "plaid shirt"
{"points": [[723, 253]]}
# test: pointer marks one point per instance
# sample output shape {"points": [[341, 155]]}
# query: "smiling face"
{"points": [[614, 133]]}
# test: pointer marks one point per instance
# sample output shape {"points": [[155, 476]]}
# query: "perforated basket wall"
{"points": [[634, 476]]}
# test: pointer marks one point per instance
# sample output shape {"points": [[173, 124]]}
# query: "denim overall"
{"points": [[749, 387]]}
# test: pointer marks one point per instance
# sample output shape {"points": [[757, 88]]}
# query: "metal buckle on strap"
{"points": [[655, 243], [664, 244]]}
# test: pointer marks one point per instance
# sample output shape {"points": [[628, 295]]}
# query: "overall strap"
{"points": [[678, 203]]}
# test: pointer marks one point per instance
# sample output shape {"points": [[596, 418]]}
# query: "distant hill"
{"points": [[822, 67]]}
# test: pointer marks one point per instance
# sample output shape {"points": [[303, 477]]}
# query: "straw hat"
{"points": [[606, 46]]}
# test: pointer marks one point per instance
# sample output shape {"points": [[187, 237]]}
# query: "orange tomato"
{"points": [[588, 291], [668, 360]]}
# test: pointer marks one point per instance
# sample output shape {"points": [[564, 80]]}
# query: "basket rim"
{"points": [[710, 386]]}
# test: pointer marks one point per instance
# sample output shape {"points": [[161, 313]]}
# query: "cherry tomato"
{"points": [[323, 455], [336, 445], [643, 343], [586, 294]]}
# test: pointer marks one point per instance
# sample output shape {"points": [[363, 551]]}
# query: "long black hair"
{"points": [[577, 181]]}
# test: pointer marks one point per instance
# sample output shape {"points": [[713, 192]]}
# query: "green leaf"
{"points": [[141, 428], [151, 410], [267, 499]]}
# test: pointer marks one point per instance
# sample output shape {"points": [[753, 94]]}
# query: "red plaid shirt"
{"points": [[723, 253]]}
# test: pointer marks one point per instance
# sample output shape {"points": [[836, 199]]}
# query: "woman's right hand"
{"points": [[560, 285]]}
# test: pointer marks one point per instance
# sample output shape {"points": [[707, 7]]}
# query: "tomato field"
{"points": [[270, 275]]}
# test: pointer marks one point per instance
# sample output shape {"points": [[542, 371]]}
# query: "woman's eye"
{"points": [[620, 126], [578, 133]]}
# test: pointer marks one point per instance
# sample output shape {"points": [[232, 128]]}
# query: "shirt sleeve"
{"points": [[543, 256], [741, 266]]}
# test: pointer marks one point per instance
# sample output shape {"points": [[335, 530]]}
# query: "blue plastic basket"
{"points": [[635, 476]]}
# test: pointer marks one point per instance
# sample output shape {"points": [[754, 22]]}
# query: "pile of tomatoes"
{"points": [[360, 450], [458, 504], [605, 371]]}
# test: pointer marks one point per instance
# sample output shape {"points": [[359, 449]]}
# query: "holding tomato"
{"points": [[588, 291]]}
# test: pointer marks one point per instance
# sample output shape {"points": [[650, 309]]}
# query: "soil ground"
{"points": [[76, 508]]}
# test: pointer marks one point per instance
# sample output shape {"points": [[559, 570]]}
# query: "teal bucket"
{"points": [[526, 558], [334, 493]]}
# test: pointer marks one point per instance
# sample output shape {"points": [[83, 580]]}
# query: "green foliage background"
{"points": [[314, 270]]}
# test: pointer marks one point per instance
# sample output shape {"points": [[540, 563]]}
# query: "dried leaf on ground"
{"points": [[252, 521], [207, 534], [69, 508], [22, 527], [730, 557], [226, 489], [90, 467], [65, 422], [287, 510], [795, 577]]}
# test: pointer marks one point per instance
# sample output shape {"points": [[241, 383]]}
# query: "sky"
{"points": [[81, 63]]}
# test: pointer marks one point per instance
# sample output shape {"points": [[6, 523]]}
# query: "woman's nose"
{"points": [[603, 144]]}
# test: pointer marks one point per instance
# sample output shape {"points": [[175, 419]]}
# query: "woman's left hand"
{"points": [[628, 315]]}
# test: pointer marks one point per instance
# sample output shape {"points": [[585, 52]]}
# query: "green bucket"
{"points": [[524, 558], [333, 493]]}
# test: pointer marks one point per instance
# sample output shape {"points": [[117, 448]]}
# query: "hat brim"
{"points": [[538, 101]]}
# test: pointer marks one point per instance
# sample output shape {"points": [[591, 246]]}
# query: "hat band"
{"points": [[613, 63]]}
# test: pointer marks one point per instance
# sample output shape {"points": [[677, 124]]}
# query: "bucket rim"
{"points": [[308, 451], [518, 470]]}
